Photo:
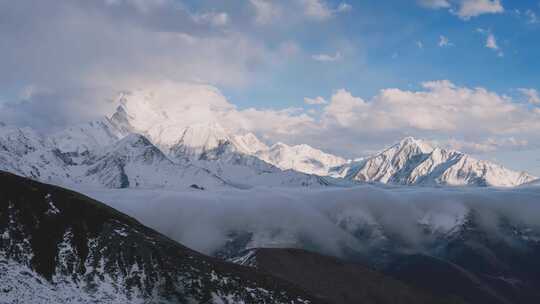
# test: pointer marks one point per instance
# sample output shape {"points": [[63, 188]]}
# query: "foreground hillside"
{"points": [[57, 246]]}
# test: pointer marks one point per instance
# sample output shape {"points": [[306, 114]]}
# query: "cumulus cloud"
{"points": [[441, 110], [465, 9], [53, 50], [327, 58], [213, 18], [473, 8], [532, 95], [187, 104], [488, 145], [122, 45], [265, 11], [320, 10], [269, 12], [434, 4], [441, 106], [315, 101]]}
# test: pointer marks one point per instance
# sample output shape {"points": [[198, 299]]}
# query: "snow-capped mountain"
{"points": [[172, 150], [100, 154], [210, 141], [140, 112], [302, 158], [160, 117], [134, 162], [235, 156], [57, 246], [87, 138], [25, 152], [415, 162], [96, 155]]}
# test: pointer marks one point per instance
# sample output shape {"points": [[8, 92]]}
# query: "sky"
{"points": [[348, 77]]}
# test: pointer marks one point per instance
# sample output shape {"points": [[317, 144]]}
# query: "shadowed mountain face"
{"points": [[57, 246], [477, 265], [335, 280]]}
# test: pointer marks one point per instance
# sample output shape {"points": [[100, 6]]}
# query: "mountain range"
{"points": [[146, 146]]}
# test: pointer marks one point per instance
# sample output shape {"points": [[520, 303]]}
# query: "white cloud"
{"points": [[107, 45], [465, 9], [441, 108], [491, 41], [327, 58], [315, 101], [532, 18], [344, 7], [474, 8], [532, 95], [420, 44], [434, 4], [488, 145], [265, 11], [444, 41], [344, 124], [212, 18], [320, 10]]}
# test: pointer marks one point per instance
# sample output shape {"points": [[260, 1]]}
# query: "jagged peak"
{"points": [[206, 134], [134, 140], [279, 145], [249, 143], [410, 141]]}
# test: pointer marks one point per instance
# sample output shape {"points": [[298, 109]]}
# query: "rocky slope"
{"points": [[335, 280], [57, 246]]}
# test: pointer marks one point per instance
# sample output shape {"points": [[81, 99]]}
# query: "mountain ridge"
{"points": [[415, 162], [237, 157], [58, 246]]}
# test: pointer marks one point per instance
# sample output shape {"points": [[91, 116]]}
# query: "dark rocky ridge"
{"points": [[335, 280], [68, 242]]}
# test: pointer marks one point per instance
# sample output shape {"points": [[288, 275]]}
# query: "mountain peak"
{"points": [[134, 140], [410, 141], [414, 161], [303, 158]]}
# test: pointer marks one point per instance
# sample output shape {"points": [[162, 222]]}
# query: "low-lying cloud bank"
{"points": [[328, 219]]}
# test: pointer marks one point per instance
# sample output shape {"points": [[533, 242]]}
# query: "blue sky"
{"points": [[348, 77], [383, 39]]}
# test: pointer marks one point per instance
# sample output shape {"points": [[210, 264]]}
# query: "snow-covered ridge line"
{"points": [[147, 143], [102, 154], [416, 162]]}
